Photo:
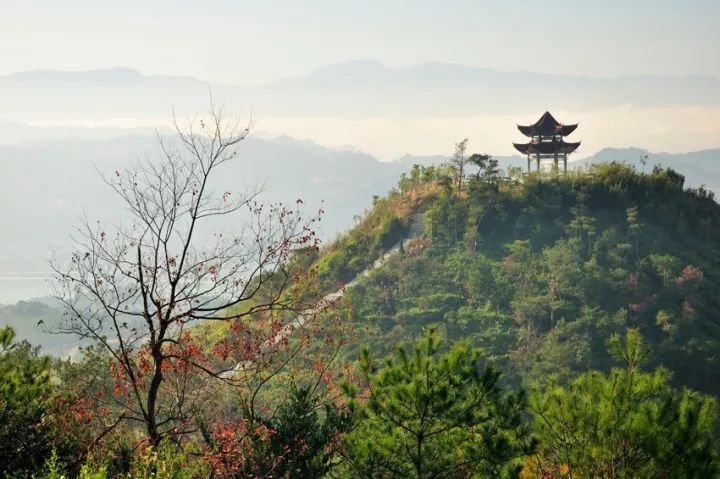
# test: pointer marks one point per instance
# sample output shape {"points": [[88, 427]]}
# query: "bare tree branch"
{"points": [[134, 289]]}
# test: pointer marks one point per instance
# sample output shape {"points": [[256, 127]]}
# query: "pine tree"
{"points": [[26, 435], [626, 424], [429, 414]]}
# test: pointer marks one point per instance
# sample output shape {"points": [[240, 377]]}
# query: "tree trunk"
{"points": [[419, 458], [151, 414]]}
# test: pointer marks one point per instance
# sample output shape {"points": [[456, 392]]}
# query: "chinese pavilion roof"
{"points": [[547, 125], [546, 147]]}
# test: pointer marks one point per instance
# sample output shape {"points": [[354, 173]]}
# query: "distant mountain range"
{"points": [[351, 89]]}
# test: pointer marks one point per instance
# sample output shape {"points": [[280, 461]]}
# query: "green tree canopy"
{"points": [[25, 394], [432, 414], [625, 424]]}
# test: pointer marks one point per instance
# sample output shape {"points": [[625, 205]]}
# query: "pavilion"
{"points": [[546, 141]]}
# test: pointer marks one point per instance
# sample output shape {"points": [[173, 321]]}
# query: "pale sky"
{"points": [[251, 42], [257, 41]]}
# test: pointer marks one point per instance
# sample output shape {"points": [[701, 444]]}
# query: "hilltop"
{"points": [[540, 272]]}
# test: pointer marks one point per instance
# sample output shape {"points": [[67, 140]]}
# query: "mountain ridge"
{"points": [[344, 66], [350, 89]]}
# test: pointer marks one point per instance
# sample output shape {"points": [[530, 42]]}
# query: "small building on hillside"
{"points": [[547, 141]]}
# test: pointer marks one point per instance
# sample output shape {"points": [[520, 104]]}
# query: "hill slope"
{"points": [[540, 273]]}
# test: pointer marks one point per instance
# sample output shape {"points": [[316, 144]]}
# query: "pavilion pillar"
{"points": [[537, 162]]}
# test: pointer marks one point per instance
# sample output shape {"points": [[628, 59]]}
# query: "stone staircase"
{"points": [[417, 225], [416, 230]]}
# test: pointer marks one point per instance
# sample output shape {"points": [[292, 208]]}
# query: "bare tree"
{"points": [[137, 289]]}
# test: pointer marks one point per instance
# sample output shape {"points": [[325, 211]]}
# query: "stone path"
{"points": [[416, 230]]}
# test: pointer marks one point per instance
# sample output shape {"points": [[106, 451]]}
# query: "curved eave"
{"points": [[570, 147], [546, 125], [546, 148], [546, 130], [522, 147], [565, 130], [526, 130]]}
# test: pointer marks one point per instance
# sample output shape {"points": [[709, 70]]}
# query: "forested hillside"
{"points": [[540, 272]]}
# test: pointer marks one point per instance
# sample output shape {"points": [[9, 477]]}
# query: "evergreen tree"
{"points": [[305, 431], [626, 424], [26, 434], [436, 415]]}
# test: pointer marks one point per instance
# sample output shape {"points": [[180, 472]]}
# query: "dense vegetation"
{"points": [[431, 415], [541, 273], [543, 327], [423, 413]]}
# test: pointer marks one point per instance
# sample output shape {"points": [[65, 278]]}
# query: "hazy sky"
{"points": [[252, 42], [256, 41]]}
